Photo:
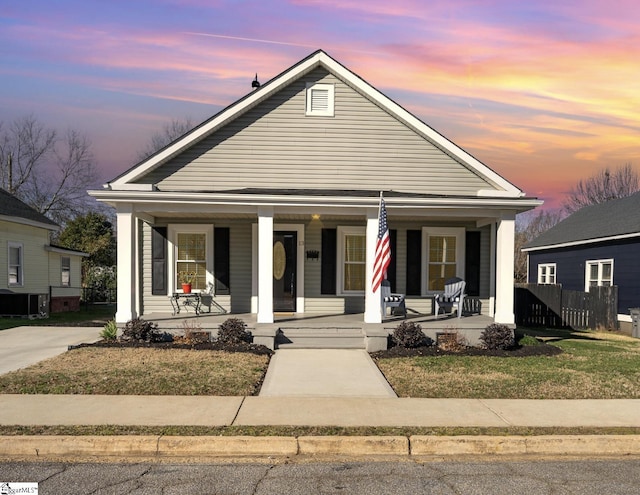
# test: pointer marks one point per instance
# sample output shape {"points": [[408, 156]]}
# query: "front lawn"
{"points": [[592, 366], [141, 371], [89, 316]]}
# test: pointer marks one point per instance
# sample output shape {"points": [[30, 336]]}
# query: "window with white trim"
{"points": [[192, 255], [547, 273], [352, 259], [15, 264], [444, 255], [598, 273], [65, 271], [320, 99]]}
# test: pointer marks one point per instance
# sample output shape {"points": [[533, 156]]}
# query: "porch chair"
{"points": [[389, 300], [207, 299], [452, 297]]}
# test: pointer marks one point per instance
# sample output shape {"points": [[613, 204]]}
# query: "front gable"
{"points": [[267, 140]]}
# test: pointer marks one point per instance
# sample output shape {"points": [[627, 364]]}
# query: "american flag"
{"points": [[383, 248]]}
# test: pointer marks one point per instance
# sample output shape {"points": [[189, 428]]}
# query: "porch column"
{"points": [[265, 265], [372, 311], [126, 255], [504, 269]]}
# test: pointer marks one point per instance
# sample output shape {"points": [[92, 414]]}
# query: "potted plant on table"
{"points": [[186, 279]]}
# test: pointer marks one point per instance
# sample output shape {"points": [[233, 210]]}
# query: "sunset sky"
{"points": [[543, 92]]}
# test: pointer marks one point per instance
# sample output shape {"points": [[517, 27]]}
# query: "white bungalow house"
{"points": [[272, 204]]}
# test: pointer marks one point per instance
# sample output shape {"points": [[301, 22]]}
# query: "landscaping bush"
{"points": [[528, 340], [143, 331], [409, 334], [233, 331], [497, 336], [452, 341], [110, 331]]}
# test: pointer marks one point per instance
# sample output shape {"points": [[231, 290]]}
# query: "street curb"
{"points": [[134, 446]]}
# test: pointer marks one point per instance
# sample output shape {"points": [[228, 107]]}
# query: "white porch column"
{"points": [[372, 311], [126, 255], [504, 269], [265, 265]]}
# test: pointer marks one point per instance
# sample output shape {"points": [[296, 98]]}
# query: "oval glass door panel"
{"points": [[279, 260]]}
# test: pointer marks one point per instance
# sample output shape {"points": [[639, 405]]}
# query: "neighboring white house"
{"points": [[35, 276], [273, 204]]}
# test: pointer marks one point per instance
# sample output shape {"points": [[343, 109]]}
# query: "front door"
{"points": [[284, 271]]}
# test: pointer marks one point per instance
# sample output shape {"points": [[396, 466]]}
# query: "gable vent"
{"points": [[320, 99]]}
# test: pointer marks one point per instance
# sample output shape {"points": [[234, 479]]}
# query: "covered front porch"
{"points": [[325, 330]]}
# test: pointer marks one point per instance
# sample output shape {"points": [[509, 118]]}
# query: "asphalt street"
{"points": [[553, 476]]}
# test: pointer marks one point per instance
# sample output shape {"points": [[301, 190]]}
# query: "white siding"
{"points": [[274, 145], [35, 258]]}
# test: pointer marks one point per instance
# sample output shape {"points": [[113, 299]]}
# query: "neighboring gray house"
{"points": [[35, 276], [272, 204], [597, 245]]}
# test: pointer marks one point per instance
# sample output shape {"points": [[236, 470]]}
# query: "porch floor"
{"points": [[168, 321]]}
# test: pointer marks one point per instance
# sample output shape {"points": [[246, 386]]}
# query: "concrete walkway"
{"points": [[23, 346], [324, 373], [314, 411]]}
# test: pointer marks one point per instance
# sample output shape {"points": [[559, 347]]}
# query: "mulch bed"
{"points": [[259, 350], [523, 351]]}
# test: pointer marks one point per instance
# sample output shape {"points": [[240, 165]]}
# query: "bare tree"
{"points": [[604, 186], [48, 172], [530, 225], [169, 133]]}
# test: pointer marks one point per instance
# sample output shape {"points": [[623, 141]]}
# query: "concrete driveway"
{"points": [[23, 346]]}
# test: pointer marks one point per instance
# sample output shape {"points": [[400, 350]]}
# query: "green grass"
{"points": [[93, 315], [592, 366]]}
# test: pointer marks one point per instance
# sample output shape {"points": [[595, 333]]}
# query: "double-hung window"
{"points": [[598, 273], [547, 273], [192, 255], [352, 259], [65, 271], [15, 265], [444, 255]]}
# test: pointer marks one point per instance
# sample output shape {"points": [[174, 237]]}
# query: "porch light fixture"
{"points": [[313, 255], [315, 216]]}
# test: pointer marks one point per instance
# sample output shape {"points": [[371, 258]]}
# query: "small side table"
{"points": [[186, 300]]}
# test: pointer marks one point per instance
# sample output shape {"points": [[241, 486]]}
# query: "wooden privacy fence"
{"points": [[553, 307]]}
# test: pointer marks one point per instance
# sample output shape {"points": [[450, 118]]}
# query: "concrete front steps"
{"points": [[320, 338]]}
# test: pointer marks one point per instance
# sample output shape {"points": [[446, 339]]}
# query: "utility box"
{"points": [[635, 322]]}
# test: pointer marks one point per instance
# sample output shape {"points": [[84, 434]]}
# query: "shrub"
{"points": [[408, 334], [110, 331], [143, 331], [193, 333], [497, 336], [528, 340], [233, 331]]}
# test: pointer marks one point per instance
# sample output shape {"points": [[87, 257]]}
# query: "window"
{"points": [[598, 273], [444, 256], [352, 256], [15, 264], [547, 273], [320, 99], [191, 259], [65, 271]]}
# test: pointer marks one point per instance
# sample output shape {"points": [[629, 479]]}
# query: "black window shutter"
{"points": [[159, 261], [328, 257], [472, 263], [414, 262], [221, 271], [391, 270]]}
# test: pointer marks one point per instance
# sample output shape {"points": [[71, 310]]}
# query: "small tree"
{"points": [[93, 234], [529, 226]]}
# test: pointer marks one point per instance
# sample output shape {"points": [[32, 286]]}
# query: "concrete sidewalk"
{"points": [[314, 411], [324, 373]]}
